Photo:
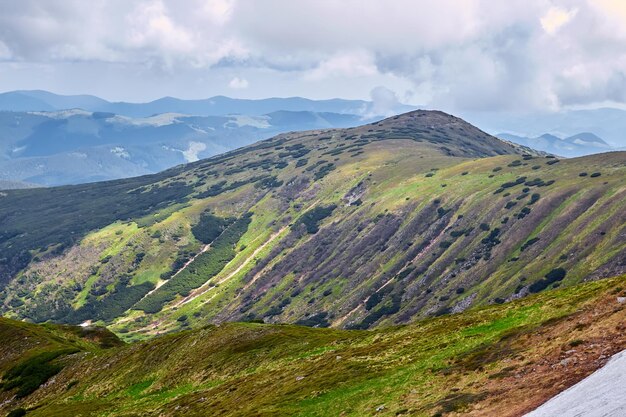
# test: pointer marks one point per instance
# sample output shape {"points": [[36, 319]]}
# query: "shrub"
{"points": [[315, 320], [551, 277], [313, 217], [534, 198], [209, 227], [31, 373], [523, 213], [202, 269], [528, 243]]}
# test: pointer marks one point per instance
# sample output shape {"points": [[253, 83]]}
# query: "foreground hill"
{"points": [[501, 360], [417, 215]]}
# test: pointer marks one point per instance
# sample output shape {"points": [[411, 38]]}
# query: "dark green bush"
{"points": [[30, 374], [313, 217], [551, 277], [204, 267]]}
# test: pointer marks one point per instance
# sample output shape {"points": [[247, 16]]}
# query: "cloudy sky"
{"points": [[451, 54]]}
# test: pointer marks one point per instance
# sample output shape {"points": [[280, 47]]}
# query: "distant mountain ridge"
{"points": [[607, 123], [78, 146], [214, 106], [580, 144]]}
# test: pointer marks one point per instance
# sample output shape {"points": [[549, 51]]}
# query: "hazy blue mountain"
{"points": [[214, 106], [585, 143], [607, 123], [76, 146]]}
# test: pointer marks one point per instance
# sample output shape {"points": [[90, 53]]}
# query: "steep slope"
{"points": [[417, 215], [500, 360]]}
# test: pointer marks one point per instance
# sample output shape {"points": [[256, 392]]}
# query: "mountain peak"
{"points": [[587, 138]]}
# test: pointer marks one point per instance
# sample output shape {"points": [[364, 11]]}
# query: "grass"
{"points": [[395, 187], [435, 365]]}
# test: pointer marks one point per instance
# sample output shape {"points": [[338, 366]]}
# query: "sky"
{"points": [[469, 55]]}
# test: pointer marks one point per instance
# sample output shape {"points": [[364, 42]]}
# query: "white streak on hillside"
{"points": [[602, 394]]}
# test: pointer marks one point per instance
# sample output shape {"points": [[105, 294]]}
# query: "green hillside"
{"points": [[418, 215], [498, 360]]}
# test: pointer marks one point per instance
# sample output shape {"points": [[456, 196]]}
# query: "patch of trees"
{"points": [[390, 306], [315, 320], [269, 182], [223, 186], [324, 170], [43, 217], [556, 275], [113, 305], [209, 227], [203, 268], [529, 243], [31, 373], [313, 217]]}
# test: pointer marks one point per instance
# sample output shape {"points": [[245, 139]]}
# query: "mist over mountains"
{"points": [[215, 106]]}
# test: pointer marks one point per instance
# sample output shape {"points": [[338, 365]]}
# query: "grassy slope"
{"points": [[497, 360], [396, 243]]}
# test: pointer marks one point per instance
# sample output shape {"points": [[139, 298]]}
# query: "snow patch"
{"points": [[601, 394]]}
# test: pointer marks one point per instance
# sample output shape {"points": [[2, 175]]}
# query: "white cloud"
{"points": [[238, 83], [465, 54], [384, 101], [344, 64], [555, 18], [5, 52]]}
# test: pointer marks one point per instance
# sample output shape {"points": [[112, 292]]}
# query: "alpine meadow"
{"points": [[453, 244]]}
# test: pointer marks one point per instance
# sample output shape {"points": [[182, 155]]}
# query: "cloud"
{"points": [[344, 64], [555, 18], [238, 83], [384, 101], [454, 54]]}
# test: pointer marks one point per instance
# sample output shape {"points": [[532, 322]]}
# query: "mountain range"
{"points": [[48, 139], [606, 123], [488, 275], [39, 100], [78, 146], [581, 144]]}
